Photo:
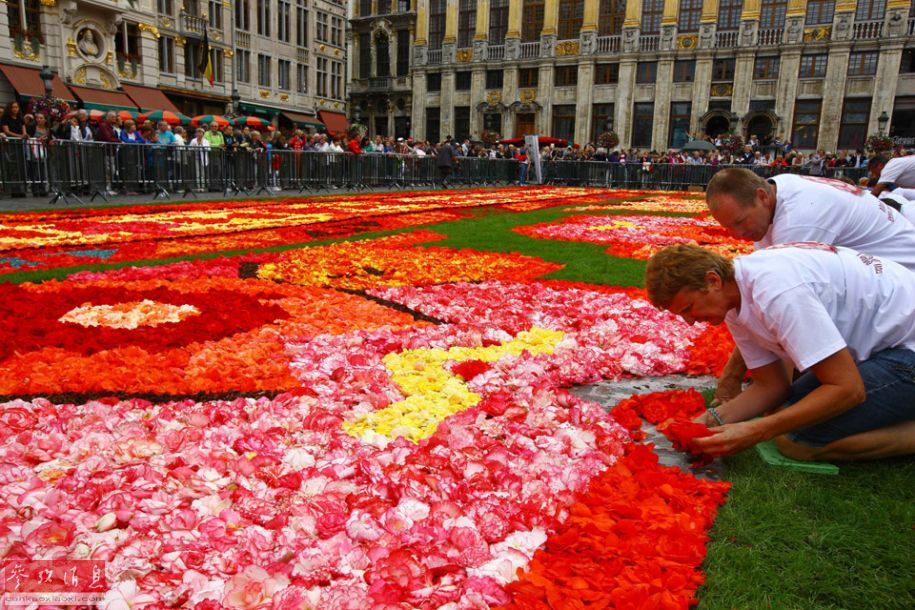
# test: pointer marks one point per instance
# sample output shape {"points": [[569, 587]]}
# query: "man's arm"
{"points": [[841, 388], [731, 382], [881, 186]]}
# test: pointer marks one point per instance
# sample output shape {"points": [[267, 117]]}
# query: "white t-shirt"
{"points": [[808, 301], [900, 171], [813, 209]]}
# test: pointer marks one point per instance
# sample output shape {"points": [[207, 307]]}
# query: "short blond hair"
{"points": [[682, 266], [739, 183]]}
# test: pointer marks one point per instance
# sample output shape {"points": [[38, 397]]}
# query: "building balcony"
{"points": [[495, 52], [771, 37], [242, 39], [379, 83], [530, 50], [727, 39], [192, 25], [608, 44], [867, 30], [650, 43]]}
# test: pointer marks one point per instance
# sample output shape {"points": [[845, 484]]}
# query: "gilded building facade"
{"points": [[821, 73], [284, 58]]}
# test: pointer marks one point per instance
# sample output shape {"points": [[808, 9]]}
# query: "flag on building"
{"points": [[206, 61]]}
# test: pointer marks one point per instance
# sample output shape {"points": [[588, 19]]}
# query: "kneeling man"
{"points": [[846, 320]]}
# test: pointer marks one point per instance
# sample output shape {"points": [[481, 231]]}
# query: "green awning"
{"points": [[303, 120], [258, 110], [104, 100]]}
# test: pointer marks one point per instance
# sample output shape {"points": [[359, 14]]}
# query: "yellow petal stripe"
{"points": [[432, 392]]}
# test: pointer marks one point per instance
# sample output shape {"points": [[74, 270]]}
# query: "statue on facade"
{"points": [[87, 44]]}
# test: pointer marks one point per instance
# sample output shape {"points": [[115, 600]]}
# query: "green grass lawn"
{"points": [[784, 539]]}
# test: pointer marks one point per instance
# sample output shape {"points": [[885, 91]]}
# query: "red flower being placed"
{"points": [[672, 412], [469, 369]]}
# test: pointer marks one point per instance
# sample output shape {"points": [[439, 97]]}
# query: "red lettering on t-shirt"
{"points": [[805, 245], [838, 184]]}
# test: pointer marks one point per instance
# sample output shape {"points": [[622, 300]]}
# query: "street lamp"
{"points": [[883, 119], [47, 77], [236, 102]]}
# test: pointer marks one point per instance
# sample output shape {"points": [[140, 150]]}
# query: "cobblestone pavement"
{"points": [[609, 393]]}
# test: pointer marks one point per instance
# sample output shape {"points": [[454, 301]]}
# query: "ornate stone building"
{"points": [[286, 59], [822, 72], [382, 47]]}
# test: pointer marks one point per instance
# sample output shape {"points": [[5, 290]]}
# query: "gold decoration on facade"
{"points": [[336, 104], [322, 48], [24, 51], [687, 41], [493, 97], [817, 34], [226, 3], [166, 22], [527, 95], [228, 52], [722, 90], [217, 36], [567, 47], [180, 41], [106, 82], [284, 97], [150, 28], [263, 93], [128, 71], [110, 58], [48, 2], [463, 55], [79, 77], [71, 48]]}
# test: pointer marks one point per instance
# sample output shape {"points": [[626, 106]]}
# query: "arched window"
{"points": [[870, 10], [652, 11], [498, 21], [467, 22], [437, 10], [24, 18], [772, 13], [571, 17], [532, 20], [690, 12], [611, 17], [820, 12], [729, 12], [382, 55]]}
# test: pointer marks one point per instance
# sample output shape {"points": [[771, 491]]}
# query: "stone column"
{"points": [[702, 84], [743, 80], [662, 94], [631, 26], [895, 22], [583, 106], [513, 34], [588, 35], [549, 32], [545, 99], [841, 22], [794, 21], [422, 22], [887, 71], [833, 96], [6, 42], [509, 94], [449, 42], [481, 35], [786, 90], [418, 113], [708, 25], [477, 95], [749, 23], [447, 97], [669, 25], [624, 94]]}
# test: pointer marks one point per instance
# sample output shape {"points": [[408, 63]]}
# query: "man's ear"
{"points": [[712, 279]]}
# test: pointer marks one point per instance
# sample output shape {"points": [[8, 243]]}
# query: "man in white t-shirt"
{"points": [[845, 319], [897, 173], [790, 208]]}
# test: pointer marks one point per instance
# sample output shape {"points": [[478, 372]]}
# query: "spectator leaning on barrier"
{"points": [[214, 137], [789, 209]]}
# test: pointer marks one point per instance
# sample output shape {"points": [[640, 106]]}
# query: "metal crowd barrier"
{"points": [[71, 170]]}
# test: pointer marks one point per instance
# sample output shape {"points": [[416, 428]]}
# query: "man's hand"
{"points": [[733, 438]]}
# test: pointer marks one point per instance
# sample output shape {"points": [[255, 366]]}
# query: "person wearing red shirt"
{"points": [[353, 146]]}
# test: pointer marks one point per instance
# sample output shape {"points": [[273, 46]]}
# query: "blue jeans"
{"points": [[889, 379]]}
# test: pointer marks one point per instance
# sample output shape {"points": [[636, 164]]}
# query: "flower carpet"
{"points": [[379, 423]]}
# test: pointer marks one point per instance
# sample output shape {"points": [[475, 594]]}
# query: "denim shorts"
{"points": [[889, 379]]}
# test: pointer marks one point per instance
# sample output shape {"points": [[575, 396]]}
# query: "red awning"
{"points": [[335, 122], [103, 99], [149, 98], [27, 82]]}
